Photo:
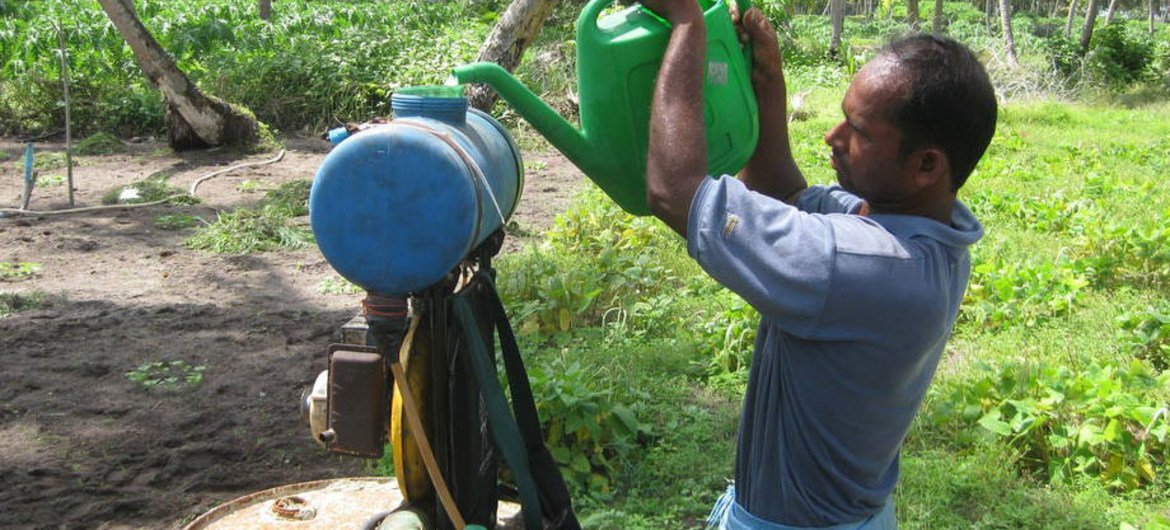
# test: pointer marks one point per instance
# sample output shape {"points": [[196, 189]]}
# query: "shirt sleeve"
{"points": [[829, 199], [775, 256]]}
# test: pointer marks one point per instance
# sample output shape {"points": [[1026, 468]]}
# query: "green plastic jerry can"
{"points": [[619, 52]]}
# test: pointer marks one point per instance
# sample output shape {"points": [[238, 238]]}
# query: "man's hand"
{"points": [[772, 169], [767, 63], [675, 11]]}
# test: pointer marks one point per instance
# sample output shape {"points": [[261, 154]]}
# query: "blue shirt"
{"points": [[855, 312]]}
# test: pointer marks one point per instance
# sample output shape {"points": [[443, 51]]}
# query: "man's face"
{"points": [[866, 145]]}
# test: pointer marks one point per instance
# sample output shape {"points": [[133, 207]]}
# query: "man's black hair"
{"points": [[949, 101]]}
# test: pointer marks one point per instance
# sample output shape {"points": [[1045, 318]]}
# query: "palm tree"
{"points": [[1087, 29], [1009, 41], [837, 17], [1111, 11], [193, 119], [1151, 19], [1072, 10]]}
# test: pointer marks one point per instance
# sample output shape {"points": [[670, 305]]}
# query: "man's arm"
{"points": [[772, 169], [677, 161]]}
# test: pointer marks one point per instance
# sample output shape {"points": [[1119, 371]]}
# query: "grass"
{"points": [[267, 226], [176, 221], [100, 143], [150, 189], [11, 303], [167, 376], [17, 270]]}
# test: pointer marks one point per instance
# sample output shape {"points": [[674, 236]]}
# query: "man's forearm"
{"points": [[677, 161], [772, 170]]}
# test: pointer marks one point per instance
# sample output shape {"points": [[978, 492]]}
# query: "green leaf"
{"points": [[580, 464], [993, 422], [626, 419]]}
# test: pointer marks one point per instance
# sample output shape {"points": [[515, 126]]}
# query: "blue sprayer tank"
{"points": [[397, 205]]}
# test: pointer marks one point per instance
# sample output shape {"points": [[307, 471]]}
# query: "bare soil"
{"points": [[84, 446]]}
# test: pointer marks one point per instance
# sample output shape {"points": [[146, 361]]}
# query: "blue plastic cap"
{"points": [[337, 135]]}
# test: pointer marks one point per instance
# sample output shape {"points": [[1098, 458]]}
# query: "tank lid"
{"points": [[444, 103]]}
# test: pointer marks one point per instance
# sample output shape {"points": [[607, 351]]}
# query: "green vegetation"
{"points": [[51, 181], [176, 221], [48, 161], [16, 271], [265, 227], [151, 189], [17, 302], [167, 376], [100, 143], [336, 285], [315, 63]]}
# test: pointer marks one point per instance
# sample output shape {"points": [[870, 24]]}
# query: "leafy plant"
{"points": [[250, 186], [335, 285], [176, 221], [15, 271], [150, 189], [600, 265], [589, 436], [292, 198], [1146, 334], [51, 181], [100, 143], [48, 161], [249, 230], [16, 302], [1002, 293], [167, 376], [1101, 420], [265, 227]]}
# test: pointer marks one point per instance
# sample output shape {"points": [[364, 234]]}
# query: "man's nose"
{"points": [[834, 134]]}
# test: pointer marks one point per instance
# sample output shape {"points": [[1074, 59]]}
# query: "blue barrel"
{"points": [[396, 206]]}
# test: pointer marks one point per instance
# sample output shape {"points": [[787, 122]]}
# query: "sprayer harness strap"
{"points": [[542, 488]]}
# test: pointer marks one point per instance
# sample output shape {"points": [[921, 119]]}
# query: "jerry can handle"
{"points": [[593, 11]]}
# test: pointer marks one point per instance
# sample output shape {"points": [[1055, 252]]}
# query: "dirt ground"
{"points": [[84, 446]]}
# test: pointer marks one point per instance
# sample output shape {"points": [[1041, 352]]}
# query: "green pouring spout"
{"points": [[619, 52], [559, 132]]}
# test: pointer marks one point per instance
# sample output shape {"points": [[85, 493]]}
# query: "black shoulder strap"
{"points": [[538, 471]]}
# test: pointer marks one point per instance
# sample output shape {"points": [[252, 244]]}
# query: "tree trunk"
{"points": [[1072, 11], [1110, 12], [938, 17], [837, 19], [912, 14], [1009, 41], [1087, 29], [1151, 19], [516, 29], [265, 8], [193, 119], [989, 13]]}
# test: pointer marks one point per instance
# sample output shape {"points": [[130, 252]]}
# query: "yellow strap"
{"points": [[416, 426]]}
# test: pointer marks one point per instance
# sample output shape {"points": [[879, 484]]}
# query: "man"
{"points": [[858, 285]]}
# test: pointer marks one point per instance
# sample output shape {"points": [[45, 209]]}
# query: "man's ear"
{"points": [[933, 167]]}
